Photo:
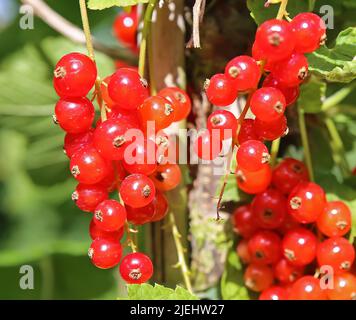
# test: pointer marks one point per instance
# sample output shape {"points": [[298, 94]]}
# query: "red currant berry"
{"points": [[287, 273], [243, 252], [291, 94], [87, 197], [274, 293], [244, 222], [336, 252], [271, 130], [288, 224], [259, 55], [136, 268], [247, 131], [208, 145], [254, 182], [335, 220], [137, 190], [268, 104], [244, 71], [306, 202], [127, 89], [309, 31], [110, 139], [74, 75], [105, 253], [110, 215], [161, 207], [220, 90], [88, 167], [224, 121], [180, 101], [344, 287], [116, 174], [299, 246], [105, 93], [125, 28], [75, 141], [265, 247], [158, 110], [252, 155], [74, 115], [307, 288], [258, 277], [269, 209], [297, 66], [96, 232], [288, 174], [275, 39], [167, 177]]}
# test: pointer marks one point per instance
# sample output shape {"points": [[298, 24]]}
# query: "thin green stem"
{"points": [[282, 9], [337, 97], [274, 151], [305, 142], [47, 273], [145, 33]]}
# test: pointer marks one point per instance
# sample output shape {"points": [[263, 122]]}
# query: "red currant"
{"points": [[125, 28], [287, 273], [96, 232], [258, 277], [208, 145], [259, 55], [307, 288], [74, 115], [252, 155], [137, 190], [75, 141], [110, 215], [220, 90], [244, 222], [161, 207], [271, 130], [136, 268], [254, 182], [243, 252], [105, 253], [167, 177], [344, 287], [116, 174], [288, 224], [224, 121], [87, 197], [247, 131], [274, 293], [74, 75], [306, 202], [180, 101]]}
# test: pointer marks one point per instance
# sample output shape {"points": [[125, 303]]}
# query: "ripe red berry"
{"points": [[224, 121], [244, 71], [254, 182], [96, 232], [167, 177], [288, 224], [110, 215], [127, 89], [309, 31], [252, 155], [258, 277], [88, 167], [268, 104], [288, 173], [116, 174], [291, 94], [271, 130], [243, 252], [336, 252], [265, 247], [306, 202], [158, 110], [110, 139], [137, 190], [247, 131], [74, 75], [286, 272], [125, 28], [259, 55], [274, 293], [75, 141], [275, 39], [220, 90], [160, 203], [244, 222], [269, 208], [105, 93], [136, 268], [74, 115], [208, 145], [87, 197], [105, 253], [180, 101], [335, 220], [299, 246], [307, 288], [344, 287], [297, 66]]}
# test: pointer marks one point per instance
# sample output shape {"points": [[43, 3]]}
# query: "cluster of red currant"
{"points": [[283, 232], [100, 160], [278, 50]]}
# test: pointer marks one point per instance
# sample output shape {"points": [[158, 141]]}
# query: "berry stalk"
{"points": [[282, 9], [274, 151]]}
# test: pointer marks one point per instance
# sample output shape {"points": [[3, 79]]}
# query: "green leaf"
{"points": [[337, 64], [104, 4], [232, 284], [312, 95], [157, 292]]}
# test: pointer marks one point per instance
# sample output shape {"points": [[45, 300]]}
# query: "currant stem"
{"points": [[180, 252], [145, 33], [274, 151], [130, 242], [305, 142], [337, 97], [282, 9]]}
